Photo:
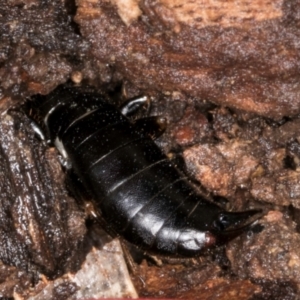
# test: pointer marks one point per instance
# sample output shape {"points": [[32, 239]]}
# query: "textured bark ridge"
{"points": [[242, 54], [41, 227]]}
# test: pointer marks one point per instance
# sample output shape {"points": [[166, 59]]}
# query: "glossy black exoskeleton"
{"points": [[136, 189]]}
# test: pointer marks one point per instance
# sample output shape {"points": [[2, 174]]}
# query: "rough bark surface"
{"points": [[241, 54]]}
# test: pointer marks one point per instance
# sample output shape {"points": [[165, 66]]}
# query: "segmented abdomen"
{"points": [[139, 192]]}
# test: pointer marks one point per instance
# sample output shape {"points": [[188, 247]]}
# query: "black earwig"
{"points": [[136, 189]]}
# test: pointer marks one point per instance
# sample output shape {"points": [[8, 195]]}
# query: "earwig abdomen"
{"points": [[137, 190]]}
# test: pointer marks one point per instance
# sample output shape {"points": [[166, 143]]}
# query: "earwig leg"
{"points": [[132, 266], [132, 106], [153, 126], [38, 131], [76, 187]]}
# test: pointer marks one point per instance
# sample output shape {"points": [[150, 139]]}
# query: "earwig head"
{"points": [[213, 230], [229, 225], [208, 225]]}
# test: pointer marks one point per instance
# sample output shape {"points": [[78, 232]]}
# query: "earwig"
{"points": [[136, 189]]}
